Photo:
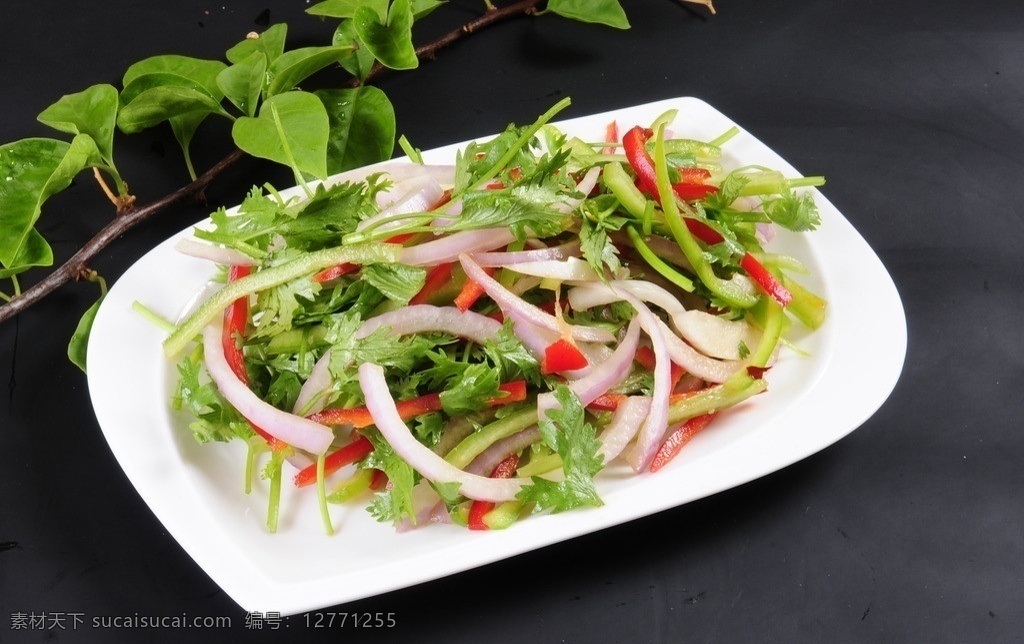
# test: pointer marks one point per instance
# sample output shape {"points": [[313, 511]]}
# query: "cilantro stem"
{"points": [[271, 277], [274, 506], [321, 492], [722, 138], [152, 316], [520, 142]]}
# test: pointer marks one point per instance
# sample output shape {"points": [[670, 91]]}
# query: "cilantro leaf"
{"points": [[575, 441], [509, 355], [397, 502], [793, 211], [215, 418], [398, 282], [471, 390]]}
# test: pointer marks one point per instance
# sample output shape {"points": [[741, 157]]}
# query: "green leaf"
{"points": [[162, 103], [358, 62], [34, 252], [362, 127], [345, 8], [292, 67], [270, 43], [31, 171], [421, 8], [390, 39], [184, 127], [92, 111], [78, 346], [605, 12], [242, 83], [291, 129], [198, 72]]}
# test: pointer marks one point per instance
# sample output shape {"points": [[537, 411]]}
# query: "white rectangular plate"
{"points": [[196, 490]]}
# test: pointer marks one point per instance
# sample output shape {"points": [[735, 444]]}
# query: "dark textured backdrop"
{"points": [[910, 529]]}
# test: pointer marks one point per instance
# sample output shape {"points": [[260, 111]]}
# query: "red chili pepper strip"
{"points": [[692, 185], [357, 450], [479, 509], [359, 417], [334, 272], [633, 143], [645, 356], [236, 317], [379, 480], [607, 402], [677, 439], [703, 232], [562, 355], [436, 279], [611, 135], [471, 292], [763, 277]]}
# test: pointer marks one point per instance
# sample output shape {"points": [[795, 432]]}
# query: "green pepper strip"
{"points": [[774, 319], [471, 446], [351, 487], [733, 391], [657, 263], [271, 277], [727, 291]]}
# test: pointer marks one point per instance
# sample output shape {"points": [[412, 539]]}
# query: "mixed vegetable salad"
{"points": [[475, 342]]}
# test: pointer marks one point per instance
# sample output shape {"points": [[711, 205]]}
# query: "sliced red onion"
{"points": [[294, 430], [602, 377], [715, 336], [597, 294], [563, 251], [418, 318], [534, 338], [226, 256], [653, 427], [695, 362], [310, 399], [585, 186], [426, 508], [413, 195], [709, 334], [431, 466], [488, 459], [448, 248], [624, 425], [570, 269], [397, 171], [522, 311], [427, 318]]}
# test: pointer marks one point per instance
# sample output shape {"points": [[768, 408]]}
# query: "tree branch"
{"points": [[77, 266]]}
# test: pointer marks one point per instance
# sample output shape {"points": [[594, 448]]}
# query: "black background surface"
{"points": [[909, 529]]}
